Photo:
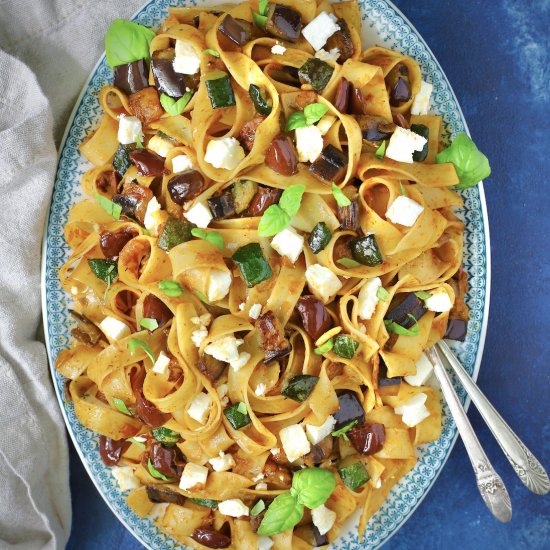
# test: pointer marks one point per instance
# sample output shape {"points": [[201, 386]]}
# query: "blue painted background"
{"points": [[496, 56]]}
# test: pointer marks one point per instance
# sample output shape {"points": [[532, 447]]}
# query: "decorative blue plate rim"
{"points": [[409, 493]]}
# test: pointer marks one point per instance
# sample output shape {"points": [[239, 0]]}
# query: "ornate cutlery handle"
{"points": [[526, 466], [489, 483]]}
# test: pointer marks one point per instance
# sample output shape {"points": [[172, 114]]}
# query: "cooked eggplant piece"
{"points": [[456, 330], [368, 439], [299, 387], [167, 80], [319, 237], [186, 186], [283, 22], [261, 104], [133, 200], [247, 133], [219, 90], [320, 540], [330, 165], [122, 160], [424, 131], [263, 199], [252, 264], [161, 493], [111, 450], [168, 461], [86, 331], [383, 379], [342, 96], [349, 215], [210, 538], [365, 251], [272, 337], [235, 30], [358, 103], [281, 156], [145, 104], [211, 367], [222, 206], [350, 410], [406, 311], [315, 72], [112, 242], [319, 452], [398, 85], [145, 410], [155, 308], [243, 192], [341, 40], [148, 162], [315, 316], [174, 232], [108, 180], [375, 129], [132, 77]]}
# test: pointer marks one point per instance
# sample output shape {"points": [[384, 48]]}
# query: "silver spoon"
{"points": [[489, 483], [525, 464]]}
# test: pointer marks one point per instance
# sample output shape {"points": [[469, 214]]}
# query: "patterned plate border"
{"points": [[385, 25]]}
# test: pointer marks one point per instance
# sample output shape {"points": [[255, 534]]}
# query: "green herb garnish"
{"points": [[310, 115], [140, 444], [136, 343], [209, 51], [121, 406], [212, 237], [403, 190], [156, 474], [325, 348], [109, 206], [392, 326], [261, 18], [348, 262], [126, 42], [381, 151], [173, 107], [166, 436], [343, 432], [170, 288], [106, 270], [341, 199], [278, 216], [207, 502], [149, 323], [423, 295], [202, 297], [382, 294], [258, 508]]}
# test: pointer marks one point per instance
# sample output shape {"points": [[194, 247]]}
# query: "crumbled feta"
{"points": [[224, 153], [260, 476], [368, 299], [404, 211], [242, 305], [439, 301], [198, 336], [264, 543], [254, 311], [403, 143], [332, 55], [129, 129], [182, 163], [233, 507], [114, 329], [200, 215], [325, 124], [288, 243], [225, 349], [414, 410], [218, 284], [294, 441], [316, 434], [187, 61], [161, 364], [260, 389], [323, 518], [160, 146], [261, 486], [199, 409], [203, 320], [424, 370], [309, 143], [278, 49], [193, 476], [152, 220], [241, 361], [421, 102], [125, 478], [223, 462], [320, 29], [322, 282], [275, 451]]}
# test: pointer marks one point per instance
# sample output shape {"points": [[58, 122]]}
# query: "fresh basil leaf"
{"points": [[170, 288], [202, 297], [241, 407], [260, 20], [296, 120], [381, 151], [325, 348], [126, 42], [392, 326], [283, 514], [258, 508], [212, 237], [470, 163], [263, 7], [403, 190], [382, 294], [156, 474], [291, 199], [211, 52], [274, 220], [343, 431], [121, 406], [423, 295], [313, 486], [345, 346], [109, 206], [166, 436], [341, 199], [136, 343], [314, 112], [348, 262], [149, 323], [106, 270], [140, 444], [173, 107]]}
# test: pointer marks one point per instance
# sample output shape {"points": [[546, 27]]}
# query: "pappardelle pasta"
{"points": [[269, 247]]}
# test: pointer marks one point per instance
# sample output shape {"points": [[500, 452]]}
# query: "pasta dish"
{"points": [[268, 245]]}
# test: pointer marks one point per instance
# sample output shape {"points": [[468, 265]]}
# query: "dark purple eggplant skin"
{"points": [[283, 22], [160, 494], [262, 200], [349, 216], [210, 538], [148, 162], [330, 165], [132, 77], [272, 337], [222, 206], [186, 186], [411, 305], [350, 410], [168, 461], [111, 450], [456, 330], [234, 30], [342, 96], [389, 381], [315, 316], [167, 81], [320, 540], [368, 439]]}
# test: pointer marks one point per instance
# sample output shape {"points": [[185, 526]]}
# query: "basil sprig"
{"points": [[135, 343], [212, 237], [121, 406], [343, 431], [156, 474], [126, 42], [278, 216], [310, 487], [173, 107], [310, 115], [166, 436]]}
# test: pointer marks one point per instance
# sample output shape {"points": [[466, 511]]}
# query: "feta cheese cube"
{"points": [[421, 102], [323, 518], [368, 299], [161, 364], [403, 143], [152, 218], [254, 311], [404, 211], [160, 146], [316, 434], [288, 243], [223, 462], [325, 124], [322, 282], [414, 410], [187, 60], [129, 129], [224, 349], [224, 153], [125, 478], [331, 55], [278, 49], [439, 301], [114, 329], [260, 389], [320, 29], [200, 215], [294, 441], [424, 370], [218, 284], [264, 543], [233, 507], [309, 143], [199, 409], [182, 163], [193, 476]]}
